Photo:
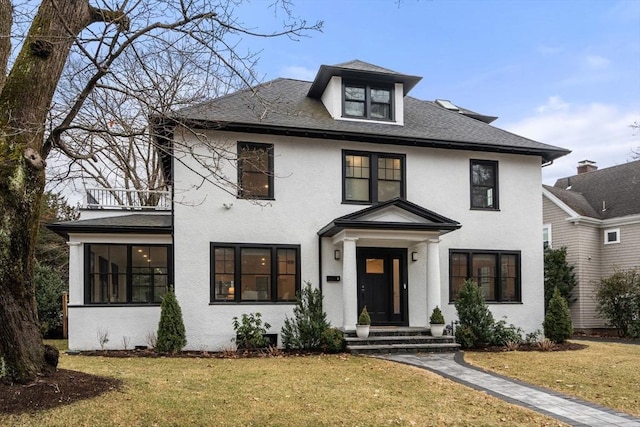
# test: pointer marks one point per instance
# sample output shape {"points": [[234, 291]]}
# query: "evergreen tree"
{"points": [[557, 322], [309, 321], [171, 333], [558, 273], [476, 321]]}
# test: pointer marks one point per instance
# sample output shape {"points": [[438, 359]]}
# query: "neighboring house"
{"points": [[596, 216], [378, 198]]}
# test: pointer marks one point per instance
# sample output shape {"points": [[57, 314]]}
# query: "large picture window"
{"points": [[249, 273], [368, 102], [255, 171], [126, 274], [484, 184], [372, 177], [497, 273]]}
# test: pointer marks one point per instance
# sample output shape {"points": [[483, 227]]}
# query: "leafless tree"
{"points": [[121, 55]]}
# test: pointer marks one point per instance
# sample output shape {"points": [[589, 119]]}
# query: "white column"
{"points": [[76, 288], [349, 285], [433, 275]]}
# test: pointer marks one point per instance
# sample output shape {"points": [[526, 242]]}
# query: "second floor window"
{"points": [[367, 102], [255, 171], [372, 177], [484, 184]]}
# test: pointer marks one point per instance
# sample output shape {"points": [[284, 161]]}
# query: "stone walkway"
{"points": [[564, 408]]}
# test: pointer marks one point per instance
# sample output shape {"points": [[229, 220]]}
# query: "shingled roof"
{"points": [[605, 193], [283, 107], [134, 223]]}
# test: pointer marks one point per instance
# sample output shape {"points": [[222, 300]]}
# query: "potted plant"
{"points": [[364, 322], [436, 322]]}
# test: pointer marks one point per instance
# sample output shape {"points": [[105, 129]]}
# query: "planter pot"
{"points": [[436, 329], [362, 331]]}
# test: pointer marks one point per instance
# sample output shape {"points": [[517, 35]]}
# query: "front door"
{"points": [[382, 285]]}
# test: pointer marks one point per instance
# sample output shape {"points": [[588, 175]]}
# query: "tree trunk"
{"points": [[24, 101]]}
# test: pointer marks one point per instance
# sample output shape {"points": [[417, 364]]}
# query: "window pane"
{"points": [[357, 166], [482, 197], [484, 273], [387, 190], [354, 93], [354, 108], [380, 95], [483, 174], [255, 279], [224, 268], [375, 266], [356, 189], [508, 273], [458, 273], [380, 111], [255, 170], [286, 284]]}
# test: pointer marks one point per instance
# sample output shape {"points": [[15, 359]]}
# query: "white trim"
{"points": [[562, 205], [549, 239], [606, 236]]}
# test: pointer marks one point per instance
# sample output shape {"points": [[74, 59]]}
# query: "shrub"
{"points": [[558, 273], [557, 322], [171, 332], [49, 289], [436, 317], [502, 334], [533, 337], [364, 318], [332, 340], [618, 301], [476, 321], [251, 331], [309, 321]]}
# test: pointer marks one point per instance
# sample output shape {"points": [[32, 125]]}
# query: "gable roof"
{"points": [[282, 107], [604, 193], [394, 214], [134, 223]]}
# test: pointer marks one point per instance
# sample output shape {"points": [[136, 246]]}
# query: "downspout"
{"points": [[320, 263]]}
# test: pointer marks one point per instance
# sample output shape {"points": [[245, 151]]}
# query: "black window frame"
{"points": [[237, 273], [373, 175], [469, 253], [367, 86], [495, 186], [244, 146], [129, 274]]}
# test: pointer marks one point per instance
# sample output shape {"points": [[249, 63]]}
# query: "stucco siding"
{"points": [[308, 196]]}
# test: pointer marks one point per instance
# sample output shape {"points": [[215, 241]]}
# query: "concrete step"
{"points": [[403, 348], [397, 339], [385, 340]]}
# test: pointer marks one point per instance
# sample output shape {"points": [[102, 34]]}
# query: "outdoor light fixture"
{"points": [[414, 256], [336, 254]]}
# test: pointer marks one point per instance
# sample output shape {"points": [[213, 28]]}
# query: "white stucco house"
{"points": [[378, 198]]}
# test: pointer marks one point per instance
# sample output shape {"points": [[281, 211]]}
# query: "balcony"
{"points": [[124, 199]]}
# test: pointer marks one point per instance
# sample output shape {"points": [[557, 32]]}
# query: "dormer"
{"points": [[358, 91]]}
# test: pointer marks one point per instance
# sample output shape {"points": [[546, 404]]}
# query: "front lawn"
{"points": [[284, 391], [604, 373]]}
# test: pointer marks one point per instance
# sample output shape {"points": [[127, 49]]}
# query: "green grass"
{"points": [[604, 373], [328, 390]]}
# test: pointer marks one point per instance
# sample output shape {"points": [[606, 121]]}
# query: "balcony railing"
{"points": [[120, 198]]}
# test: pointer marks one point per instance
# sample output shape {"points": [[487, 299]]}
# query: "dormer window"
{"points": [[367, 101]]}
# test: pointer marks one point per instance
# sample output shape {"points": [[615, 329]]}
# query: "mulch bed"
{"points": [[60, 388]]}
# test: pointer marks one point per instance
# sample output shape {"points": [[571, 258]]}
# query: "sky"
{"points": [[561, 72]]}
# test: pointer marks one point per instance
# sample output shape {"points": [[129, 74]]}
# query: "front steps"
{"points": [[385, 340]]}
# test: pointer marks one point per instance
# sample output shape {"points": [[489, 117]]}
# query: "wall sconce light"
{"points": [[414, 256], [336, 254]]}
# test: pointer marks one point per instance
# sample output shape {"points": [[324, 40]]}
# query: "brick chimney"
{"points": [[585, 166]]}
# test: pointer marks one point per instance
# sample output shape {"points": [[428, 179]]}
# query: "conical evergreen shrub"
{"points": [[557, 322], [476, 321], [171, 334]]}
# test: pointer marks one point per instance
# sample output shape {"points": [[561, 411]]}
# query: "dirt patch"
{"points": [[60, 388]]}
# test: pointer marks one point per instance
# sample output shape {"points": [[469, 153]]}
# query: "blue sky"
{"points": [[563, 72]]}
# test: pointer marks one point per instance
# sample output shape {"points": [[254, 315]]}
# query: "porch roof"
{"points": [[134, 223], [395, 214]]}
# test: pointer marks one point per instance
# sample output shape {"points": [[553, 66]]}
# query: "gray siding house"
{"points": [[595, 214]]}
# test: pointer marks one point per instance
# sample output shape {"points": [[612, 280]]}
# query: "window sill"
{"points": [[124, 304], [497, 302], [252, 302], [485, 209]]}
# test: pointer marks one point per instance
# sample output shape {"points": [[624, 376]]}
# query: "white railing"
{"points": [[120, 198]]}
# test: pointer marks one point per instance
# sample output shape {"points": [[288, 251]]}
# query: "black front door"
{"points": [[382, 285]]}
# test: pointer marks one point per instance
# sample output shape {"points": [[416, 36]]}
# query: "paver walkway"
{"points": [[564, 408]]}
